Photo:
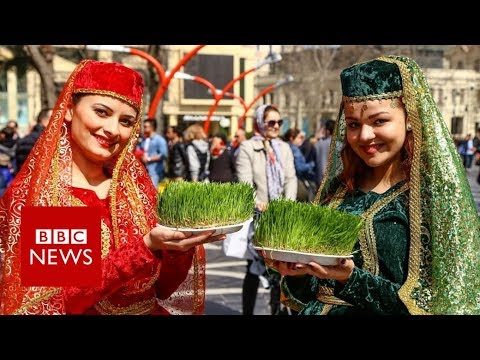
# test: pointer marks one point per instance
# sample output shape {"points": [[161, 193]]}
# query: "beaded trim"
{"points": [[107, 93], [140, 308], [389, 95]]}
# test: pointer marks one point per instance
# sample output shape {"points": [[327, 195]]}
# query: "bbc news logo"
{"points": [[61, 246], [52, 256]]}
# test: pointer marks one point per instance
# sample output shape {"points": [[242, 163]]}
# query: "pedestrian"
{"points": [[154, 151], [266, 162]]}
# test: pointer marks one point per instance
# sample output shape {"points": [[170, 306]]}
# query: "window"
{"points": [[457, 125], [460, 65], [218, 69], [476, 65]]}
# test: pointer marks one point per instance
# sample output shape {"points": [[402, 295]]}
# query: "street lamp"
{"points": [[164, 78], [270, 59], [265, 91]]}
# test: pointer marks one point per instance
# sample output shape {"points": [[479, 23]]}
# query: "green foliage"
{"points": [[200, 205], [305, 227]]}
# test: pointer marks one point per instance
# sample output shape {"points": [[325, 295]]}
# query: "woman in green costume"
{"points": [[419, 251]]}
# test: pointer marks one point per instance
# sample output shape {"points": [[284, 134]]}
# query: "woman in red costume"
{"points": [[85, 157]]}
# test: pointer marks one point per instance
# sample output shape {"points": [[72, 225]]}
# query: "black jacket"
{"points": [[25, 145], [177, 162]]}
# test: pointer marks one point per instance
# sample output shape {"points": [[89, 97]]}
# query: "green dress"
{"points": [[381, 261]]}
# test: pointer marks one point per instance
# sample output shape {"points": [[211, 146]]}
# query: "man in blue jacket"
{"points": [[155, 151]]}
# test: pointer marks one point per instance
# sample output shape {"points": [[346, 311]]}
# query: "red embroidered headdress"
{"points": [[45, 180], [111, 79]]}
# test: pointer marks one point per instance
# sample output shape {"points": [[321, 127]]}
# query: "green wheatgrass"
{"points": [[201, 205], [305, 227]]}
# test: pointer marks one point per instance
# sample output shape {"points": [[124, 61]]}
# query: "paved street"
{"points": [[224, 284]]}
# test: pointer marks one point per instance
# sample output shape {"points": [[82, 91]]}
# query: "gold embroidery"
{"points": [[287, 299], [414, 199], [389, 95], [325, 295], [337, 197], [107, 93], [115, 175], [326, 309], [105, 234], [105, 240], [104, 307], [146, 286], [195, 284], [38, 298], [367, 238], [367, 245], [137, 207]]}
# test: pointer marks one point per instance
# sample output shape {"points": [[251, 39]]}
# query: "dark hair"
{"points": [[43, 114], [330, 126], [291, 133], [221, 136], [178, 130], [268, 109], [151, 121], [8, 131]]}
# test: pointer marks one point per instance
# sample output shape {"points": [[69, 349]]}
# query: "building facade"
{"points": [[185, 102], [453, 73]]}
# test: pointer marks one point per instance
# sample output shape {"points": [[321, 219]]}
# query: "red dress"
{"points": [[133, 277]]}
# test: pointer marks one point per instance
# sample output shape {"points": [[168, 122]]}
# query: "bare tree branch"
{"points": [[42, 60]]}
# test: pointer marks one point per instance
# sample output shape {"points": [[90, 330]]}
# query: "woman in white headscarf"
{"points": [[266, 162]]}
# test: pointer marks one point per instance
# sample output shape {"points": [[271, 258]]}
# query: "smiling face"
{"points": [[376, 133], [100, 127], [272, 118]]}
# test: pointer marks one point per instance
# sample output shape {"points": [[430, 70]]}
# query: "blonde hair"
{"points": [[194, 132]]}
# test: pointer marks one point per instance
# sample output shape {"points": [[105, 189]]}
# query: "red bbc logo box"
{"points": [[61, 246]]}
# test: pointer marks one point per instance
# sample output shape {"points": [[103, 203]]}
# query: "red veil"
{"points": [[45, 179]]}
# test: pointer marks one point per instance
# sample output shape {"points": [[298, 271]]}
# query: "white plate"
{"points": [[226, 229], [300, 257]]}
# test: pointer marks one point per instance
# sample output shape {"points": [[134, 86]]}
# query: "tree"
{"points": [[41, 57], [316, 80]]}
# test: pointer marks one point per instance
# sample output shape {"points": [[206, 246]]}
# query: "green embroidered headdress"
{"points": [[372, 80], [444, 255]]}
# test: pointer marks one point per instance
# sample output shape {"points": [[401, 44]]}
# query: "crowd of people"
{"points": [[383, 158]]}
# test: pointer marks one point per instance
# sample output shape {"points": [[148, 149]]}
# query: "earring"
{"points": [[409, 127]]}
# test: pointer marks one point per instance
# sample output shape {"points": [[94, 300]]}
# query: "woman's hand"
{"points": [[340, 272], [261, 206], [287, 268], [165, 239]]}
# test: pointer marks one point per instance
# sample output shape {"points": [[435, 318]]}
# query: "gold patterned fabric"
{"points": [[444, 254]]}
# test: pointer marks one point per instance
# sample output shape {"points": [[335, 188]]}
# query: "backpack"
{"points": [[202, 157]]}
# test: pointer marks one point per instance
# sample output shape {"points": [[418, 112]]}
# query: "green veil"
{"points": [[444, 257]]}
